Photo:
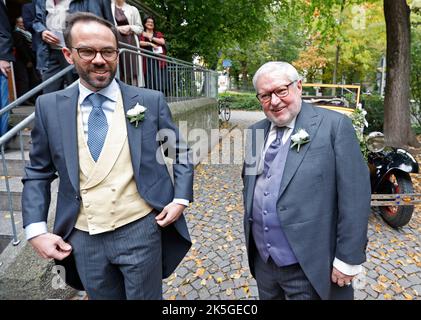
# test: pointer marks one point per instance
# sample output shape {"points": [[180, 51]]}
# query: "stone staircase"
{"points": [[23, 274]]}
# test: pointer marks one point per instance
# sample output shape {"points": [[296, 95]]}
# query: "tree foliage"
{"points": [[203, 28]]}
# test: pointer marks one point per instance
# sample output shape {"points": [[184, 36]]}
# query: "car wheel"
{"points": [[397, 216]]}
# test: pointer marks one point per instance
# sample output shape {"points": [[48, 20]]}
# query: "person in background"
{"points": [[49, 23], [28, 16], [25, 74], [6, 57], [129, 25], [154, 69]]}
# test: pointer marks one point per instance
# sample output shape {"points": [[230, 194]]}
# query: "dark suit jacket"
{"points": [[55, 151], [6, 43], [324, 197], [101, 8]]}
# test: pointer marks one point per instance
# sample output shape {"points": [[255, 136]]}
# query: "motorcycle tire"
{"points": [[398, 216]]}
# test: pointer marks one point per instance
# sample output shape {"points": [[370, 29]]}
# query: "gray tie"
{"points": [[273, 149], [97, 125]]}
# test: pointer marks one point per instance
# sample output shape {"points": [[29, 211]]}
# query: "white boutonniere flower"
{"points": [[301, 137], [136, 114]]}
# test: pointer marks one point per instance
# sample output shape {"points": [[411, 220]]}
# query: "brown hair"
{"points": [[74, 18]]}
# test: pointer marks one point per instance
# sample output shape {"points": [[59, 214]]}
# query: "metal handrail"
{"points": [[16, 129], [35, 90]]}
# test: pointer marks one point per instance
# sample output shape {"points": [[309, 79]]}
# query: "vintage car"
{"points": [[390, 168]]}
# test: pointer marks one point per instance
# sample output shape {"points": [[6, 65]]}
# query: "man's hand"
{"points": [[340, 278], [49, 245], [50, 37], [169, 214], [4, 67]]}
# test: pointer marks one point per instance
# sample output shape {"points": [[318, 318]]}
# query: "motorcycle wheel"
{"points": [[397, 216]]}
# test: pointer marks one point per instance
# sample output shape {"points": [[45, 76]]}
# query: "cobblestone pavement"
{"points": [[216, 266]]}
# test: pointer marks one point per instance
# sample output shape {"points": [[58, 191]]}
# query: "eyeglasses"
{"points": [[281, 92], [89, 54]]}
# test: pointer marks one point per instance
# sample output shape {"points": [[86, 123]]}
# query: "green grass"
{"points": [[241, 101]]}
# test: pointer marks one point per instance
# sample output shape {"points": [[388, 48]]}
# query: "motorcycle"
{"points": [[391, 184], [390, 168]]}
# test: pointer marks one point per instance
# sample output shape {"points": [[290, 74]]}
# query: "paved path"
{"points": [[216, 266]]}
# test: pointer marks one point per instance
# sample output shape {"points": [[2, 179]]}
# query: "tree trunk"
{"points": [[397, 122]]}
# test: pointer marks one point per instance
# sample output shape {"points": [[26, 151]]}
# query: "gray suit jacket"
{"points": [[324, 197], [55, 151]]}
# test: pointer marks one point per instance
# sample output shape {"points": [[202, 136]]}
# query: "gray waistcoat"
{"points": [[266, 227]]}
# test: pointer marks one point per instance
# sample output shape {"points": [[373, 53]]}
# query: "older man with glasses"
{"points": [[306, 197]]}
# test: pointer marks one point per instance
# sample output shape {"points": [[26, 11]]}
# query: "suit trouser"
{"points": [[122, 264], [282, 283], [56, 63]]}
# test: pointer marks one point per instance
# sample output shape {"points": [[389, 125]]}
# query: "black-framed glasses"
{"points": [[280, 92], [89, 54]]}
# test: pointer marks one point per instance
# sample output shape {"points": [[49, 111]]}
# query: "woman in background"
{"points": [[154, 69], [129, 25]]}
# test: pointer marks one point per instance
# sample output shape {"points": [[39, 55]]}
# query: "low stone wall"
{"points": [[196, 119]]}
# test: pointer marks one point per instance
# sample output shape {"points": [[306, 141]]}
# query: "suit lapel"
{"points": [[67, 102], [257, 147], [130, 98], [309, 120]]}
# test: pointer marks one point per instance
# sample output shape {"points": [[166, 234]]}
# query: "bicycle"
{"points": [[224, 111]]}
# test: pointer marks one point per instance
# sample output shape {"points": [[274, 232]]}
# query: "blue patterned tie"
{"points": [[97, 125], [273, 149]]}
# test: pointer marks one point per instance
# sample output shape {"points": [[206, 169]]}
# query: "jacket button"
{"points": [[77, 198], [266, 229], [250, 219]]}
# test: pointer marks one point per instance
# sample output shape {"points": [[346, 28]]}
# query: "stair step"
{"points": [[14, 162], [14, 143], [20, 113], [6, 222], [16, 186]]}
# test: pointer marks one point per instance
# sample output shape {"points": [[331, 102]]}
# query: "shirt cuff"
{"points": [[184, 202], [35, 229], [348, 269]]}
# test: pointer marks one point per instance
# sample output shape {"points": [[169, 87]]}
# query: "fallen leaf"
{"points": [[378, 287], [400, 262], [172, 298], [200, 272], [228, 292], [407, 296], [383, 279], [387, 296], [203, 282], [397, 289], [219, 280]]}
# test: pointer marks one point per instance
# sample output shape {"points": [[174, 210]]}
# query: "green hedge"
{"points": [[374, 105], [241, 101]]}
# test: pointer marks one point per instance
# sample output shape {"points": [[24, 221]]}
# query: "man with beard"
{"points": [[119, 220]]}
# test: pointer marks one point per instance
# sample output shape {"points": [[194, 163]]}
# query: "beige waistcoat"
{"points": [[109, 194]]}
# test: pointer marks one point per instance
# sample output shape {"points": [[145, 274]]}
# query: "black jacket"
{"points": [[6, 42]]}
